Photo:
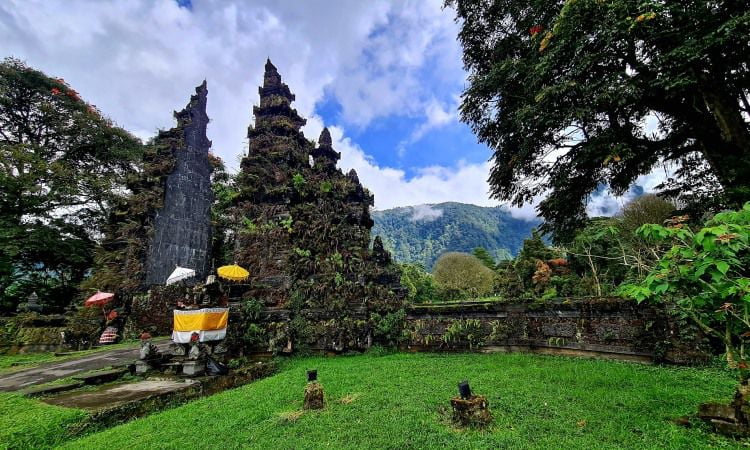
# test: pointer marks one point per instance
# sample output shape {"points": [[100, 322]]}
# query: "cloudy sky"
{"points": [[384, 76]]}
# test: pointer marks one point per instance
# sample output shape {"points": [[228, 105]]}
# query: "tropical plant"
{"points": [[706, 276], [419, 284]]}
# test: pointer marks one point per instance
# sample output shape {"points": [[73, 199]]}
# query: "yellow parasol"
{"points": [[233, 273]]}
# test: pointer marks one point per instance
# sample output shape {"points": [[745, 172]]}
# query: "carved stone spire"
{"points": [[325, 138], [275, 103], [324, 156]]}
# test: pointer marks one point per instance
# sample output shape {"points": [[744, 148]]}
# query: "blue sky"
{"points": [[384, 76]]}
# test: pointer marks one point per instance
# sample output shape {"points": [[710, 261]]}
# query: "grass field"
{"points": [[402, 401], [26, 423]]}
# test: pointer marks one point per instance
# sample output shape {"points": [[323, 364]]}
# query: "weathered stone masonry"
{"points": [[605, 327], [182, 227]]}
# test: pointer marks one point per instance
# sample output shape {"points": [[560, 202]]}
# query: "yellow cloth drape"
{"points": [[201, 319]]}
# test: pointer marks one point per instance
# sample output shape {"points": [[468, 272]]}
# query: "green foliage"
{"points": [[251, 310], [597, 250], [250, 226], [403, 403], [462, 275], [302, 253], [298, 181], [586, 79], [225, 192], [326, 186], [64, 166], [705, 274], [286, 224], [647, 208], [465, 332], [254, 335], [389, 328], [419, 284], [453, 227], [483, 255]]}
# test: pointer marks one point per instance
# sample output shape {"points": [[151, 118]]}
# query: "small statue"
{"points": [[148, 350], [196, 348]]}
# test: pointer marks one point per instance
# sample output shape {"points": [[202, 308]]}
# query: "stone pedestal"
{"points": [[142, 367], [193, 368], [474, 411], [732, 419], [314, 396], [175, 349]]}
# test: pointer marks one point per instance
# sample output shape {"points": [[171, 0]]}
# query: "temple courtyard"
{"points": [[402, 400]]}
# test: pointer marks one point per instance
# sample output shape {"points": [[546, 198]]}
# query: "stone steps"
{"points": [[38, 391], [101, 377]]}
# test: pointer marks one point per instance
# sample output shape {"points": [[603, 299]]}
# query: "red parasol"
{"points": [[99, 299]]}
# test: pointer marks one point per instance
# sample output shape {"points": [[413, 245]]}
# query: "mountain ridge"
{"points": [[421, 233]]}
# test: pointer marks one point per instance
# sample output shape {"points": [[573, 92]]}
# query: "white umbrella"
{"points": [[179, 274]]}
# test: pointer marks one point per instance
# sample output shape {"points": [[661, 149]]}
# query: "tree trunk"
{"points": [[727, 149]]}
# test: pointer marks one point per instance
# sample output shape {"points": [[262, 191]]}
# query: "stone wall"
{"points": [[603, 327], [599, 327]]}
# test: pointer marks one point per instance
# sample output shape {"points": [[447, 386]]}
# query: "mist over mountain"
{"points": [[422, 233]]}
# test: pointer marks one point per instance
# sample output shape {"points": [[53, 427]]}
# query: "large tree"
{"points": [[577, 94], [61, 166]]}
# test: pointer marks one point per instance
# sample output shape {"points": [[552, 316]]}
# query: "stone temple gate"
{"points": [[182, 227]]}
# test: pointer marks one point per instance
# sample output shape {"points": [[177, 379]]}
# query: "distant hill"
{"points": [[422, 233]]}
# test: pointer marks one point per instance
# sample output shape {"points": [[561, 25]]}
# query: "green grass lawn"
{"points": [[402, 401], [27, 423]]}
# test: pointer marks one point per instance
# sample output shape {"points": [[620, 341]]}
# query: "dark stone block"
{"points": [[566, 330], [38, 391], [102, 377], [182, 235]]}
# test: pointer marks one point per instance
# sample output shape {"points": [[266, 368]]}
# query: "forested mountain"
{"points": [[421, 233]]}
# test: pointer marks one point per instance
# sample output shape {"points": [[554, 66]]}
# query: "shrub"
{"points": [[461, 273], [706, 275]]}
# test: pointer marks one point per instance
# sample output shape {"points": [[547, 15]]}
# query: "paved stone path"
{"points": [[113, 395], [55, 370]]}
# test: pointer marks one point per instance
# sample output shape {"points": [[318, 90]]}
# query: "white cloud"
{"points": [[425, 213], [466, 183], [436, 116], [138, 60]]}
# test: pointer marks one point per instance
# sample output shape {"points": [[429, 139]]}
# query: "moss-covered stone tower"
{"points": [[304, 235]]}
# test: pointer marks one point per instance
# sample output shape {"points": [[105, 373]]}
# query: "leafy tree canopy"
{"points": [[62, 164], [483, 255], [579, 93], [462, 273], [419, 284]]}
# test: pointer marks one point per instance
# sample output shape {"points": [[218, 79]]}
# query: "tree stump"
{"points": [[474, 411], [314, 396]]}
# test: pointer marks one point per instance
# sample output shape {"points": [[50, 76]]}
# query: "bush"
{"points": [[706, 276], [419, 284], [462, 274]]}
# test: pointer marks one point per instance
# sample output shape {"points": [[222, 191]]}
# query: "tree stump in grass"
{"points": [[474, 411], [732, 419], [314, 396]]}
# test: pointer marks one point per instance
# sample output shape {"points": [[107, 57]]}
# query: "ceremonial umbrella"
{"points": [[99, 299], [179, 274], [233, 273]]}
